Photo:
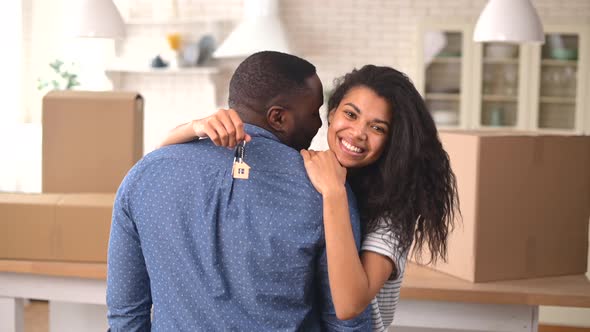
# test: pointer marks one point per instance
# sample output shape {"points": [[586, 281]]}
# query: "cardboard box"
{"points": [[27, 222], [90, 140], [55, 227], [525, 202]]}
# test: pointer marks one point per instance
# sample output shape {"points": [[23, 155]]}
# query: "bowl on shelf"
{"points": [[445, 117], [500, 51], [561, 53]]}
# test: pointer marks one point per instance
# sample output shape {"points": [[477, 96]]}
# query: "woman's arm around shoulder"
{"points": [[224, 128]]}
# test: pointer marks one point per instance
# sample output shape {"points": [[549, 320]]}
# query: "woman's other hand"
{"points": [[324, 170], [224, 128]]}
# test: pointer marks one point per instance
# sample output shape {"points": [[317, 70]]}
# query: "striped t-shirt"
{"points": [[383, 306]]}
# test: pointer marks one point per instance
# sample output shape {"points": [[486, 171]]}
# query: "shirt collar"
{"points": [[253, 130]]}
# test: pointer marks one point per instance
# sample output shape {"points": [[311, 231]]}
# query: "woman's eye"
{"points": [[379, 129], [350, 114]]}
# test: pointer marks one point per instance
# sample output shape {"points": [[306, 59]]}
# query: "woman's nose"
{"points": [[359, 132]]}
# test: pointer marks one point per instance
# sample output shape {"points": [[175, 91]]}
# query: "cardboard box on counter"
{"points": [[525, 202], [90, 139], [55, 227]]}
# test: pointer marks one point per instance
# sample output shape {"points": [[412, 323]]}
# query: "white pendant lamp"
{"points": [[260, 30], [509, 21], [95, 19]]}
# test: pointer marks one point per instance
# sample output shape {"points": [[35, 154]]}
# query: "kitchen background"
{"points": [[335, 35]]}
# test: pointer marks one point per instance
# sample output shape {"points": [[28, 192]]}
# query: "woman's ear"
{"points": [[278, 118]]}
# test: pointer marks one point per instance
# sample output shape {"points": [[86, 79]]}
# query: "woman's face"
{"points": [[359, 127]]}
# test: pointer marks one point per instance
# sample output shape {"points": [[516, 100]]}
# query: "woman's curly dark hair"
{"points": [[411, 187]]}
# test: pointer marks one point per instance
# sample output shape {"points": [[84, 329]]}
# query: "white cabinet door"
{"points": [[559, 80], [500, 86], [444, 74]]}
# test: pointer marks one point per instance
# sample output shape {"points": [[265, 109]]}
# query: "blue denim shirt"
{"points": [[213, 253]]}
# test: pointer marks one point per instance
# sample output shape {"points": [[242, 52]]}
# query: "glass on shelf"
{"points": [[558, 81], [498, 114], [488, 86], [510, 82], [500, 80]]}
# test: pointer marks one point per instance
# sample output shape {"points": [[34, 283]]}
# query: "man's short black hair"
{"points": [[266, 77]]}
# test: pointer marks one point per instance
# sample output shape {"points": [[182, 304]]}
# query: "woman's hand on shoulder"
{"points": [[224, 128], [324, 171]]}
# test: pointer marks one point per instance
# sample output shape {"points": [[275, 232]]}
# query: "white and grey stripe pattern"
{"points": [[384, 304]]}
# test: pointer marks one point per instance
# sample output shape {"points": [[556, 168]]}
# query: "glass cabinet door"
{"points": [[443, 70], [558, 82], [500, 85]]}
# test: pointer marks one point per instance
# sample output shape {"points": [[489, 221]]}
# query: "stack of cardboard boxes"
{"points": [[90, 141]]}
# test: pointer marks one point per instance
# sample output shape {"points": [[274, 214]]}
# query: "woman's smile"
{"points": [[348, 147]]}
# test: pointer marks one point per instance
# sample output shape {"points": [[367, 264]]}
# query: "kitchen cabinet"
{"points": [[469, 85], [559, 80], [499, 86], [444, 69]]}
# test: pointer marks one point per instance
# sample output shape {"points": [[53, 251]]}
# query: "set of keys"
{"points": [[240, 170]]}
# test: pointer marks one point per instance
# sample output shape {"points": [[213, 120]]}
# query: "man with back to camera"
{"points": [[212, 252]]}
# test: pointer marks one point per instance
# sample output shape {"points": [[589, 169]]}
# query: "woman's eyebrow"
{"points": [[358, 110], [382, 121]]}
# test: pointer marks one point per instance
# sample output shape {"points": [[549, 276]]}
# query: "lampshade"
{"points": [[260, 30], [509, 21], [95, 19]]}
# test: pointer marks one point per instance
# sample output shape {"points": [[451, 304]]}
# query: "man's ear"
{"points": [[279, 119]]}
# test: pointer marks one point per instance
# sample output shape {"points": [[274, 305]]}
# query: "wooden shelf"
{"points": [[553, 62], [501, 61], [500, 98], [443, 96], [557, 100]]}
